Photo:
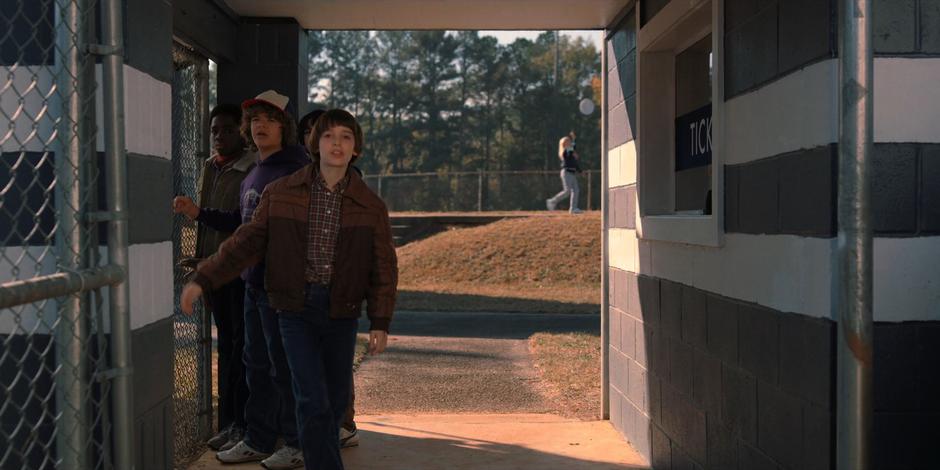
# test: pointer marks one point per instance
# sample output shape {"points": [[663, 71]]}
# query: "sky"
{"points": [[506, 37]]}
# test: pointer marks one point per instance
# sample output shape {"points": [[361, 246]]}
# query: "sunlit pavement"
{"points": [[478, 441]]}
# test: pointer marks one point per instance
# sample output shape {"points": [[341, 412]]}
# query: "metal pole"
{"points": [[113, 73], [71, 376], [605, 258], [39, 288], [202, 105], [480, 190], [854, 242]]}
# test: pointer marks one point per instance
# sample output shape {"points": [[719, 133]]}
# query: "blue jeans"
{"points": [[320, 352], [269, 410], [569, 184]]}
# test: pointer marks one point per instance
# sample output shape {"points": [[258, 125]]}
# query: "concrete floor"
{"points": [[458, 391], [478, 441]]}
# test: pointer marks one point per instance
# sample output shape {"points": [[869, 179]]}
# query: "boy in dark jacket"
{"points": [[269, 411], [218, 186], [327, 238]]}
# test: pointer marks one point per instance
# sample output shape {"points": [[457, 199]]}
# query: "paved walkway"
{"points": [[460, 362], [479, 442], [458, 391]]}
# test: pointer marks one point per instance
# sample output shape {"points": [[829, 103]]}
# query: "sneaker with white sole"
{"points": [[576, 211], [348, 438], [241, 452], [286, 458], [549, 205], [216, 442], [234, 436]]}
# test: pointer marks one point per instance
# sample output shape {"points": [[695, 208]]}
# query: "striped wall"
{"points": [[724, 357], [27, 219]]}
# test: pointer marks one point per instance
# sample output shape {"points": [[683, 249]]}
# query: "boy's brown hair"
{"points": [[332, 118], [288, 126]]}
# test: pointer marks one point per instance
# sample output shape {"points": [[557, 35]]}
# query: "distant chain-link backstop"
{"points": [[480, 190]]}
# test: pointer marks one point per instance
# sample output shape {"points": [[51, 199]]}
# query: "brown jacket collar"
{"points": [[356, 190]]}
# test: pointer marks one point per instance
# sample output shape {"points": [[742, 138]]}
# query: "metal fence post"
{"points": [[113, 79], [605, 244], [853, 256], [71, 328], [480, 190]]}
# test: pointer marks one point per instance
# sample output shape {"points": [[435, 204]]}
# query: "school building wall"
{"points": [[726, 357]]}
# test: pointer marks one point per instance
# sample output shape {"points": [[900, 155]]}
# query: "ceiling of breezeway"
{"points": [[437, 14]]}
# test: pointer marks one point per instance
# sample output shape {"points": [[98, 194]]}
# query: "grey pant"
{"points": [[569, 182]]}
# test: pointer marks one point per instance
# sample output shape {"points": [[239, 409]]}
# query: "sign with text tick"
{"points": [[694, 139]]}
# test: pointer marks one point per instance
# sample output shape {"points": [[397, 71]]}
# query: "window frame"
{"points": [[658, 43]]}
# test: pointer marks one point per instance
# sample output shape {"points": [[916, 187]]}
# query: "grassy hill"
{"points": [[535, 264]]}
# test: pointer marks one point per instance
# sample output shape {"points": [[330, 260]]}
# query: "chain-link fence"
{"points": [[192, 396], [56, 367], [480, 190]]}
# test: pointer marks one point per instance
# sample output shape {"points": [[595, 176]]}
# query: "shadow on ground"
{"points": [[437, 301], [487, 325]]}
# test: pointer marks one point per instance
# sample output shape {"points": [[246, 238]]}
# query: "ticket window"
{"points": [[693, 127], [679, 115]]}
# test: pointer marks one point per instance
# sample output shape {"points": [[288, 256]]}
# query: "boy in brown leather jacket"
{"points": [[326, 239]]}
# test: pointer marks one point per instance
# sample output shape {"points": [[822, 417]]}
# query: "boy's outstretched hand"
{"points": [[191, 292], [378, 339], [184, 205]]}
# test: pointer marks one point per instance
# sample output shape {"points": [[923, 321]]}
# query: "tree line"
{"points": [[436, 101]]}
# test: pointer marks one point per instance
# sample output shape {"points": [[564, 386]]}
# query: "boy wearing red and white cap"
{"points": [[269, 411]]}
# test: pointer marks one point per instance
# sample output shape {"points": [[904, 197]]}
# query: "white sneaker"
{"points": [[549, 205], [241, 452], [286, 458], [348, 438], [576, 211], [234, 436], [220, 439]]}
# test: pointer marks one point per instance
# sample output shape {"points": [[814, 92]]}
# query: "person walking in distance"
{"points": [[328, 241], [570, 167], [218, 186], [269, 411]]}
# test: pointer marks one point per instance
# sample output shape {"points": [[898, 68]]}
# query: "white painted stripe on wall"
{"points": [[790, 273], [801, 110], [151, 276], [623, 249], [151, 286], [147, 114], [907, 281], [613, 167], [19, 263], [787, 273], [907, 99], [622, 165], [32, 123]]}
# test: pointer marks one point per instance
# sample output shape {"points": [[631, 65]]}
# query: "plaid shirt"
{"points": [[324, 222]]}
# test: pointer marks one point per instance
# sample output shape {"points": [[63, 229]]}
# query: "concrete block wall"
{"points": [[270, 53], [715, 382], [725, 357]]}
